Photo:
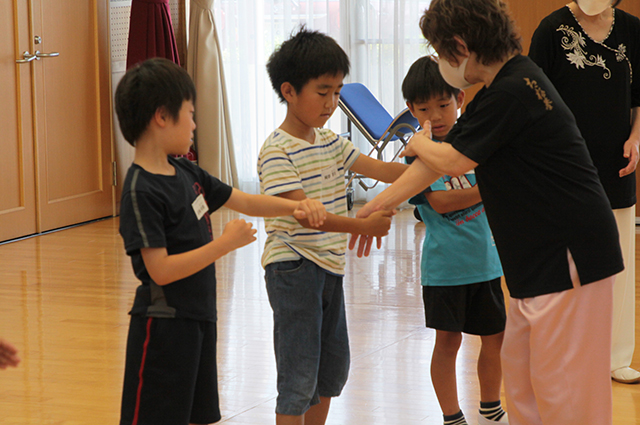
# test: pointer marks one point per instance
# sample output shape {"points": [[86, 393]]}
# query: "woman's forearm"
{"points": [[411, 182], [441, 157]]}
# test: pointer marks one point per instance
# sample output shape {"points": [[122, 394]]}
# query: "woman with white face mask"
{"points": [[550, 217], [591, 52]]}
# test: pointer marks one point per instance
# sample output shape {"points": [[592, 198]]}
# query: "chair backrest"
{"points": [[366, 109], [405, 122]]}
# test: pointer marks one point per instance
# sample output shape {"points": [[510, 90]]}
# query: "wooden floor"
{"points": [[64, 299]]}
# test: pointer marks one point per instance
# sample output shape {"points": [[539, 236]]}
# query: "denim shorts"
{"points": [[309, 334]]}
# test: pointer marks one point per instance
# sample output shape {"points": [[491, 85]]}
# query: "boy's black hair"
{"points": [[154, 83], [424, 82], [304, 56]]}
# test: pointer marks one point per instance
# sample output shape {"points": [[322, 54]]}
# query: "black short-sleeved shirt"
{"points": [[538, 183], [159, 211], [600, 82]]}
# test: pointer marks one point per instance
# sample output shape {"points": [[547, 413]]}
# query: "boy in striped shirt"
{"points": [[304, 268]]}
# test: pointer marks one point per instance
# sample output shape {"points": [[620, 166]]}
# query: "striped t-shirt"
{"points": [[287, 163]]}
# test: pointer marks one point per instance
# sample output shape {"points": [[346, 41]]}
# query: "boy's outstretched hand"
{"points": [[313, 210], [239, 232], [8, 355], [377, 225]]}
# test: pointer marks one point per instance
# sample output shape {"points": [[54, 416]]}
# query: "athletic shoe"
{"points": [[626, 375]]}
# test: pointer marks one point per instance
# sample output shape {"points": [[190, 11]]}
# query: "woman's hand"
{"points": [[631, 152], [412, 147]]}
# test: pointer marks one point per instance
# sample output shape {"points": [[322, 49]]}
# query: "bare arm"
{"points": [[440, 157], [387, 172], [410, 183], [631, 145], [444, 201], [274, 206], [376, 225], [164, 268]]}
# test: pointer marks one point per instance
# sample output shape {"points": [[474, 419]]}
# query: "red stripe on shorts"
{"points": [[144, 357]]}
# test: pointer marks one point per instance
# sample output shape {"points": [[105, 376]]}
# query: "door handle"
{"points": [[27, 57], [39, 55]]}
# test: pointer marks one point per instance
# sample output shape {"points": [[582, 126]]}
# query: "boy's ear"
{"points": [[288, 92], [160, 117], [411, 109], [460, 99]]}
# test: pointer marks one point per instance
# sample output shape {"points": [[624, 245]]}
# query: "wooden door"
{"points": [[55, 115], [17, 185], [72, 112]]}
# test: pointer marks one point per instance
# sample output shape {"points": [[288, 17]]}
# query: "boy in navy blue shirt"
{"points": [[170, 371]]}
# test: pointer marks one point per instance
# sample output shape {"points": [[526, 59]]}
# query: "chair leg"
{"points": [[350, 198]]}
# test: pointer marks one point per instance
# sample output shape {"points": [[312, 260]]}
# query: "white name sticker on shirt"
{"points": [[329, 174], [200, 206]]}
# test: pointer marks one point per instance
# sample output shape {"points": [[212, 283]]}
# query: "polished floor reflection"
{"points": [[64, 299]]}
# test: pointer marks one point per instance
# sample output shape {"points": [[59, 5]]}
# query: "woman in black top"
{"points": [[551, 220], [589, 51]]}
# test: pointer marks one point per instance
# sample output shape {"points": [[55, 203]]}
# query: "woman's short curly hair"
{"points": [[486, 26]]}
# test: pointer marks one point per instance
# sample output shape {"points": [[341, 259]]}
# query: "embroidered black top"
{"points": [[600, 82]]}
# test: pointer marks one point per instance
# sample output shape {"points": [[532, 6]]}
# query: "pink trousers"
{"points": [[556, 356]]}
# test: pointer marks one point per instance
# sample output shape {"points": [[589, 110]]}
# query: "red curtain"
{"points": [[151, 32], [151, 36]]}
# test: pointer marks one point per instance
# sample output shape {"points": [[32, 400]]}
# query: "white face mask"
{"points": [[454, 76], [593, 7]]}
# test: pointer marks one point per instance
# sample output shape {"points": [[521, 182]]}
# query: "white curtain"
{"points": [[213, 133], [381, 37]]}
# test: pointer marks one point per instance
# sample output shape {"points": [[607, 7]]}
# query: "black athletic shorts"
{"points": [[476, 309], [170, 373]]}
